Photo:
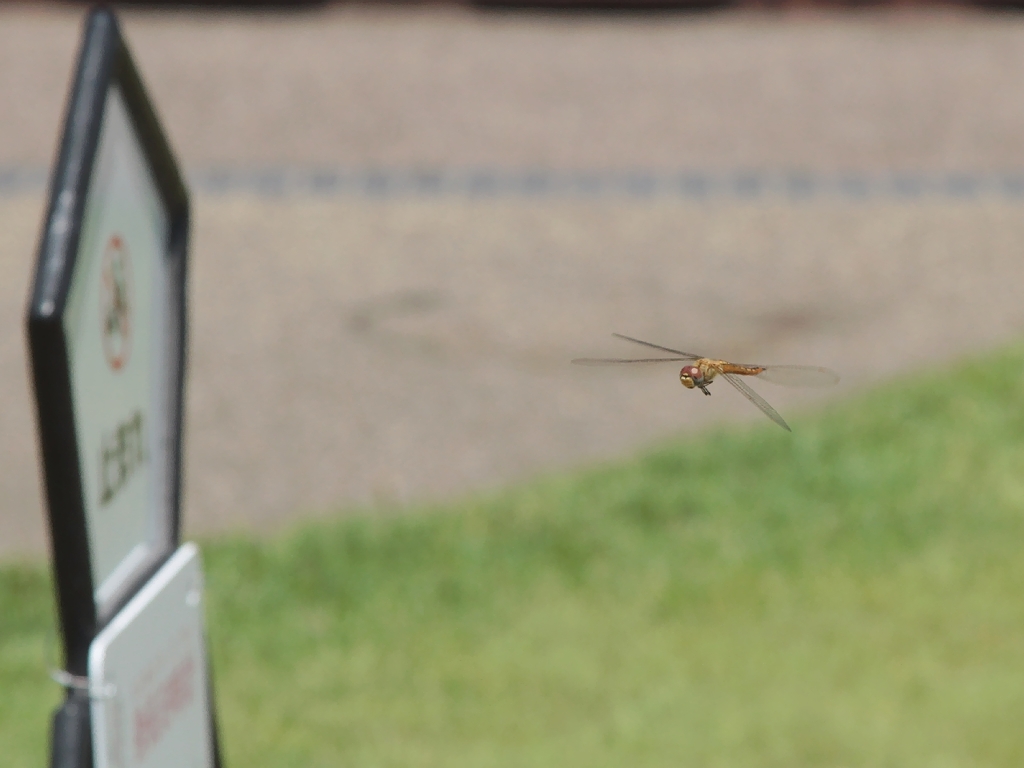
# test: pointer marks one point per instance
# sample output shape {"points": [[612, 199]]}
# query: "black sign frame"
{"points": [[104, 61]]}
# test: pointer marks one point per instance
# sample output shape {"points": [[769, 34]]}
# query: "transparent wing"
{"points": [[756, 399], [682, 355], [613, 360], [799, 376]]}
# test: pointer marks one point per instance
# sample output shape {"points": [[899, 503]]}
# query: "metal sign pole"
{"points": [[106, 328]]}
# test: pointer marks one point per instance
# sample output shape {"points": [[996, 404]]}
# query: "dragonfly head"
{"points": [[690, 376]]}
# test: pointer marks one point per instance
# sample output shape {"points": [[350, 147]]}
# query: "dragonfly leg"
{"points": [[704, 389]]}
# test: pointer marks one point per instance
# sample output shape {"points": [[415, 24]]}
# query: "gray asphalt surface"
{"points": [[353, 347]]}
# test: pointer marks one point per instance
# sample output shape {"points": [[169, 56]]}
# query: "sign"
{"points": [[148, 671], [106, 328]]}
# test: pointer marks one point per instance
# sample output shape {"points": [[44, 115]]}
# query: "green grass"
{"points": [[848, 595]]}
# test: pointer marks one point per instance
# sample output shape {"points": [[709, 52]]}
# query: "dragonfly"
{"points": [[700, 372]]}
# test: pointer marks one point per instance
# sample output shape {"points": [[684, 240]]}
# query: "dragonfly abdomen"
{"points": [[742, 370]]}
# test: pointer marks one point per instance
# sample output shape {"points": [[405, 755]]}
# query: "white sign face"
{"points": [[118, 338], [147, 674]]}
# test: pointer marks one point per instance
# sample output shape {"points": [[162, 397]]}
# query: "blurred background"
{"points": [[429, 539], [409, 218]]}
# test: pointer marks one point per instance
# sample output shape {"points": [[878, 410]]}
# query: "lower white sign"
{"points": [[148, 675]]}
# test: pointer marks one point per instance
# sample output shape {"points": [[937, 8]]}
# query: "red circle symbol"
{"points": [[116, 303]]}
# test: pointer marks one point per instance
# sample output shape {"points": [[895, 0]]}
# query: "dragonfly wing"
{"points": [[614, 360], [683, 355], [756, 399], [799, 376]]}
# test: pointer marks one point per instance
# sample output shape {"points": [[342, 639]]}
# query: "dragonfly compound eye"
{"points": [[690, 376]]}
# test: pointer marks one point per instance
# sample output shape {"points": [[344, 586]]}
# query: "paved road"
{"points": [[383, 342]]}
